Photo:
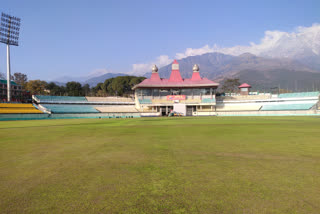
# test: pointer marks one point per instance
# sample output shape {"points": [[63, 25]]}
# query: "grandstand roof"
{"points": [[176, 80], [244, 85], [5, 82]]}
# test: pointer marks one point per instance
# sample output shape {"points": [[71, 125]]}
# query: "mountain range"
{"points": [[92, 81], [290, 60], [262, 73]]}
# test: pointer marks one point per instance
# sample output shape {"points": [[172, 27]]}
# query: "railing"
{"points": [[246, 97]]}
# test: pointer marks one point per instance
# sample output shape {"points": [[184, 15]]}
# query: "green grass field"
{"points": [[161, 165]]}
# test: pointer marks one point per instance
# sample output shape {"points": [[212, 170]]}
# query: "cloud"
{"points": [[196, 51], [141, 69], [302, 42], [163, 60]]}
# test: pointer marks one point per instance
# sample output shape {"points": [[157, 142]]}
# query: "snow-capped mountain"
{"points": [[302, 45]]}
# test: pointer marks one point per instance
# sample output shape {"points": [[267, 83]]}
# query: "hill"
{"points": [[92, 81], [95, 80]]}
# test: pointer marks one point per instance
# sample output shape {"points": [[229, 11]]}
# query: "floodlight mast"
{"points": [[8, 74], [9, 34]]}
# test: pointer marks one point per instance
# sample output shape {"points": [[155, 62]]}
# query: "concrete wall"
{"points": [[5, 117], [269, 113], [150, 114], [208, 113]]}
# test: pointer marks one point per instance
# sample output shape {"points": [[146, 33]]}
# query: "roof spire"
{"points": [[175, 73], [195, 74], [154, 75]]}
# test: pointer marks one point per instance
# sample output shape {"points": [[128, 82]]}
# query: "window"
{"points": [[155, 92], [146, 92], [175, 91], [196, 91], [207, 91], [164, 92], [187, 91]]}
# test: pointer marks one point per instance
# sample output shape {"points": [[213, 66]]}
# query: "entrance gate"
{"points": [[189, 111]]}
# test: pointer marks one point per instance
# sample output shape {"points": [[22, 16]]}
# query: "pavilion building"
{"points": [[157, 96], [244, 89]]}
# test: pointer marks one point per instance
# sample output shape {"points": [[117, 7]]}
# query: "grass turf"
{"points": [[161, 165]]}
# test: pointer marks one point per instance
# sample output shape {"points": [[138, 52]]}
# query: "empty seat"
{"points": [[55, 108], [238, 107], [59, 99], [279, 107], [300, 94], [18, 108], [243, 97], [110, 99], [116, 109]]}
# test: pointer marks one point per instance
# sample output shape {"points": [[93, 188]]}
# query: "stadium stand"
{"points": [[18, 108], [60, 108], [116, 109], [110, 99], [238, 107], [243, 97], [284, 107], [301, 94], [59, 99]]}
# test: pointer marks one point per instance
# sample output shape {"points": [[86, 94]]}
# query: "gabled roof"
{"points": [[244, 85], [176, 80]]}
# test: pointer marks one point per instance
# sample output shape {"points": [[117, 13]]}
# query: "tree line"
{"points": [[117, 86]]}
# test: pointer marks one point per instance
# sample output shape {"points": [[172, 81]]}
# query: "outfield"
{"points": [[161, 165]]}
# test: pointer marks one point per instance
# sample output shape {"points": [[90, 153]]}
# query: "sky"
{"points": [[87, 38]]}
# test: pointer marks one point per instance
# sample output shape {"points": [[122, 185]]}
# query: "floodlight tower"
{"points": [[9, 34]]}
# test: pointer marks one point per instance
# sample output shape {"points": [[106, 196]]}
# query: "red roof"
{"points": [[155, 77], [175, 73], [176, 80], [195, 76], [175, 76], [245, 85]]}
